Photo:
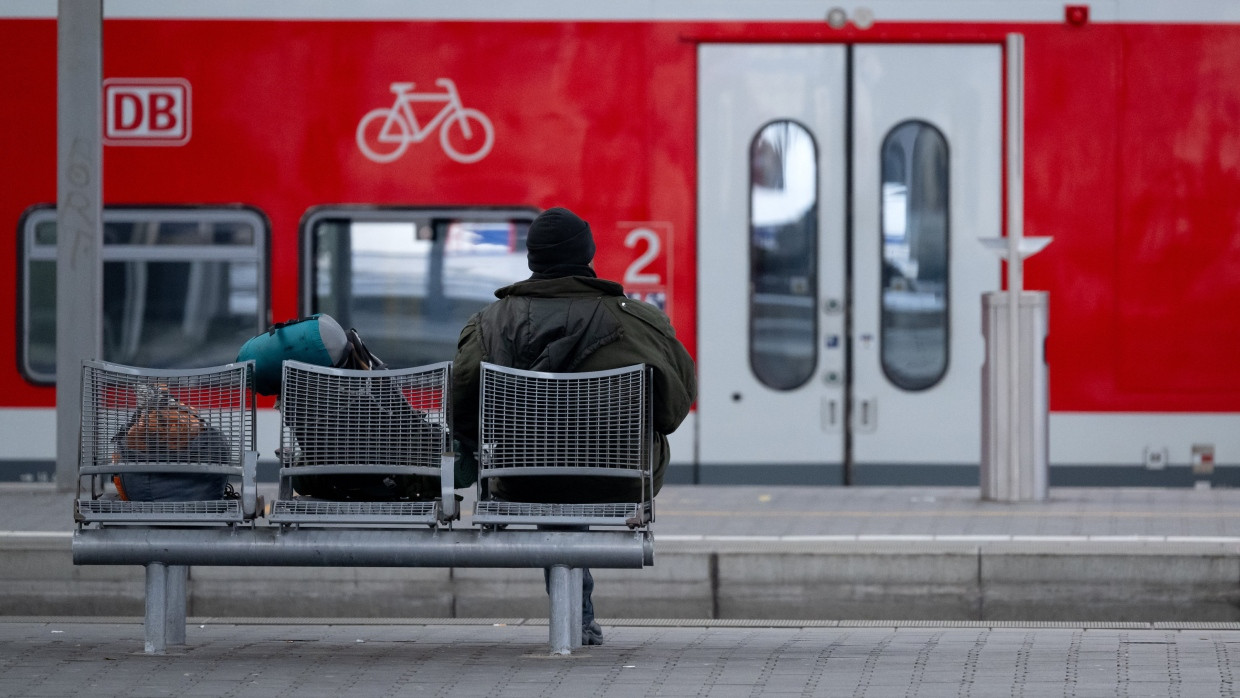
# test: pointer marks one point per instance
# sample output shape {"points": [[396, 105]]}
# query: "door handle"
{"points": [[867, 414], [831, 414]]}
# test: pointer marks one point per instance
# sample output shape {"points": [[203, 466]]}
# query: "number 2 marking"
{"points": [[634, 274]]}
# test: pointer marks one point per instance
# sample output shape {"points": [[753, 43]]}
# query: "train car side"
{"points": [[1131, 162]]}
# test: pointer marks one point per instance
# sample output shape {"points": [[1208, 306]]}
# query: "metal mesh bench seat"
{"points": [[314, 509], [384, 435], [105, 509], [560, 426], [621, 514], [174, 425]]}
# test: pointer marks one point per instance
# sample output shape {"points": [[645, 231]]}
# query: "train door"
{"points": [[842, 191]]}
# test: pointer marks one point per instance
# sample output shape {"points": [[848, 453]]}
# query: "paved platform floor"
{"points": [[102, 657]]}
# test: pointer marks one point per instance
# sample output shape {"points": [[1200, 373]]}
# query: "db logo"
{"points": [[146, 111]]}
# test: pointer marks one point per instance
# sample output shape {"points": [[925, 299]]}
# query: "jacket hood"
{"points": [[583, 286]]}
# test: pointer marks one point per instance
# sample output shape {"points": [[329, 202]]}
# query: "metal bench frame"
{"points": [[167, 552]]}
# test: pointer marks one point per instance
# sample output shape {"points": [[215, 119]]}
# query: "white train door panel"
{"points": [[771, 214], [809, 155], [927, 163]]}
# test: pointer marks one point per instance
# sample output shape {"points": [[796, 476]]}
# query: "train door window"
{"points": [[914, 336], [182, 288], [409, 279], [783, 255]]}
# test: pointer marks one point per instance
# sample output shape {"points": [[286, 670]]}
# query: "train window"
{"points": [[409, 279], [914, 329], [182, 288], [783, 255]]}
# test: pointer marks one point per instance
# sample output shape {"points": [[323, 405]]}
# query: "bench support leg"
{"points": [[156, 622], [165, 606], [576, 580], [174, 620], [565, 632]]}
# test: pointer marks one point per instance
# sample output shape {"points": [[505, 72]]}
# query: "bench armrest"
{"points": [[450, 510], [249, 484]]}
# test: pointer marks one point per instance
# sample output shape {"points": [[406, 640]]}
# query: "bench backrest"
{"points": [[565, 425], [345, 433], [173, 429]]}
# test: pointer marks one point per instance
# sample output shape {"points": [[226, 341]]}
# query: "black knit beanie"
{"points": [[559, 238]]}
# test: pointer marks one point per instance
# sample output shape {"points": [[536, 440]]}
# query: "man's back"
{"points": [[566, 320]]}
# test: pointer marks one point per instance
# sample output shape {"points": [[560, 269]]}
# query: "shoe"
{"points": [[592, 634]]}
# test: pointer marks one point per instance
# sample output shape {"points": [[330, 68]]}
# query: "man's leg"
{"points": [[591, 631]]}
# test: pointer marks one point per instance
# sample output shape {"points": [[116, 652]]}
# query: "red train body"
{"points": [[1131, 163]]}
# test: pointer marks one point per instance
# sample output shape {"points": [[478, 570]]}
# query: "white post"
{"points": [[1015, 231]]}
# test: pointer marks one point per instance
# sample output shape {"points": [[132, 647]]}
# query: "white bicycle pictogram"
{"points": [[466, 135]]}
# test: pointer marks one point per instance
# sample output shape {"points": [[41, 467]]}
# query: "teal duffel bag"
{"points": [[320, 340], [317, 339]]}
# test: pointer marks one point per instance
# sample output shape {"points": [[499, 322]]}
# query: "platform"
{"points": [[746, 553], [501, 658]]}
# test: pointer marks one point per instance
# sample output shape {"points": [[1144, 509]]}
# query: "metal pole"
{"points": [[79, 226], [560, 616], [156, 620], [1015, 226], [576, 580], [174, 615]]}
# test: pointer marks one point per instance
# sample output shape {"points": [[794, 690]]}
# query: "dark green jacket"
{"points": [[575, 323]]}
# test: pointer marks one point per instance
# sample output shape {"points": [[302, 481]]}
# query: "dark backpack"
{"points": [[379, 412], [165, 430]]}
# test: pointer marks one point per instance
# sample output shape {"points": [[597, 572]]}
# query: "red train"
{"points": [[801, 186]]}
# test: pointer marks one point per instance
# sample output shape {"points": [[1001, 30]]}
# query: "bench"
{"points": [[341, 422]]}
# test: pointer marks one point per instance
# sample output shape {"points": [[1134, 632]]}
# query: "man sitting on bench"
{"points": [[566, 319]]}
